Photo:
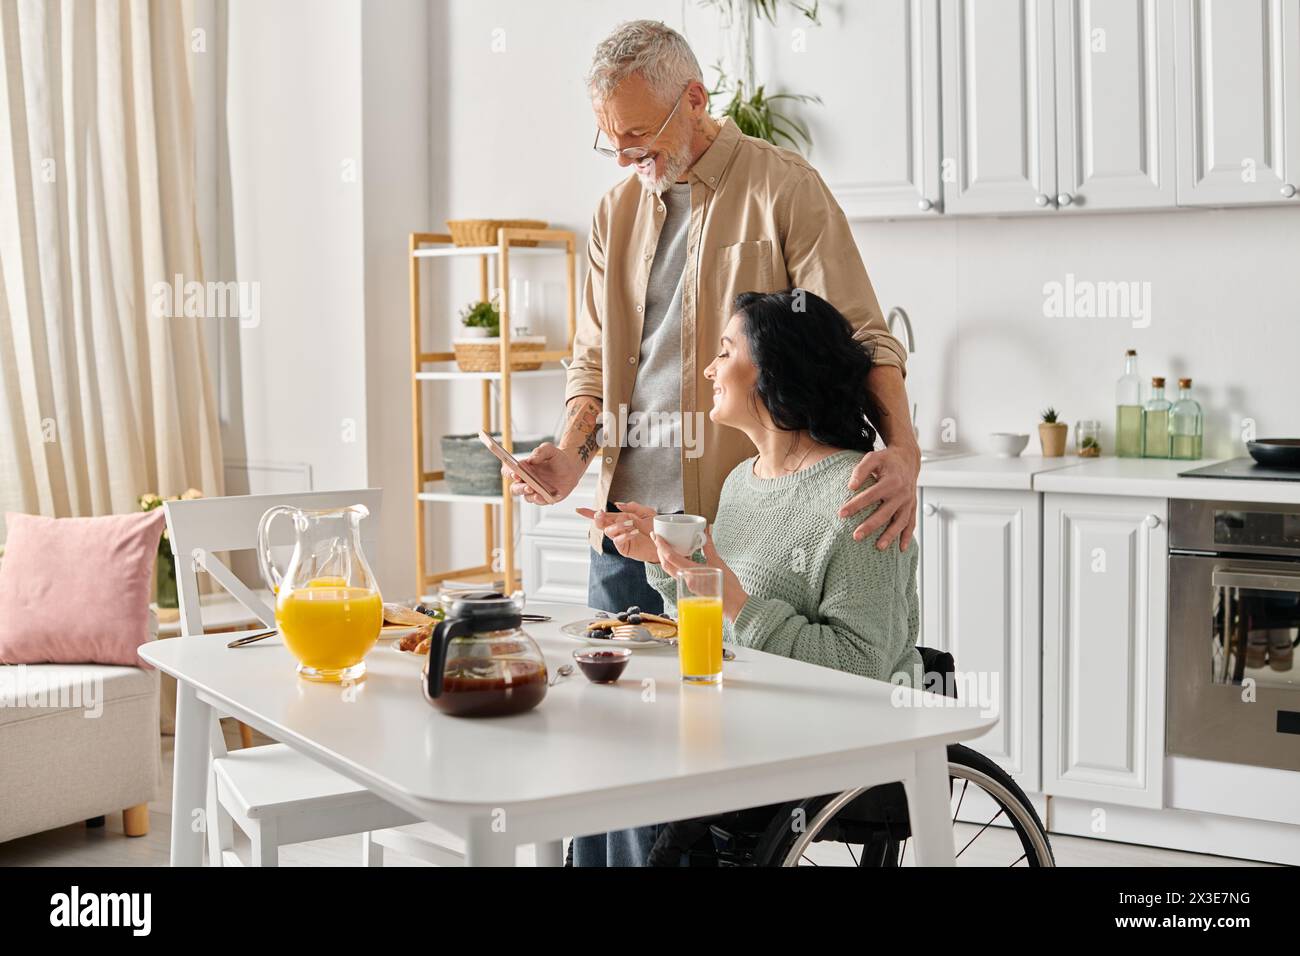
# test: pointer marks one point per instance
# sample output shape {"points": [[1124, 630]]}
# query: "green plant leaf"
{"points": [[482, 315], [758, 114]]}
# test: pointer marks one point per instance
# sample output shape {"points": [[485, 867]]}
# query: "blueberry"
{"points": [[623, 616], [634, 618], [634, 610]]}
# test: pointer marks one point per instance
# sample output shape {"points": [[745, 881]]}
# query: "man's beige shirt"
{"points": [[761, 220]]}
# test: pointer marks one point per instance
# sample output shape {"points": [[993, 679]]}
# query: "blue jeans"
{"points": [[615, 583]]}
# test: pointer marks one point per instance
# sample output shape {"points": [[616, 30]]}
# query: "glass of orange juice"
{"points": [[699, 625]]}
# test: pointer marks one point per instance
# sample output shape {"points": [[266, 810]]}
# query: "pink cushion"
{"points": [[77, 590]]}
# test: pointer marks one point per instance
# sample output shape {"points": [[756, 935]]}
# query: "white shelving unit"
{"points": [[455, 375]]}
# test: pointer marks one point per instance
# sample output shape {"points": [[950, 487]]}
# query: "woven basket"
{"points": [[470, 469], [483, 232], [484, 355]]}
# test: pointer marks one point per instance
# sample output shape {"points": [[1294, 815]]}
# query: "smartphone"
{"points": [[513, 463]]}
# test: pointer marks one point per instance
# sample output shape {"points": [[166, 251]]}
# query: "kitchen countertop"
{"points": [[1158, 478], [989, 471], [1139, 477]]}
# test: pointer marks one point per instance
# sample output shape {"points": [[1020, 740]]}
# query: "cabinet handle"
{"points": [[1041, 200], [1064, 199], [1288, 190], [1152, 521], [924, 205], [930, 509]]}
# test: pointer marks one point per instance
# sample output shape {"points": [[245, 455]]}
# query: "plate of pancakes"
{"points": [[600, 630]]}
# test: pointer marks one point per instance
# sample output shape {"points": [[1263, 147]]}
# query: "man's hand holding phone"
{"points": [[559, 470], [560, 467]]}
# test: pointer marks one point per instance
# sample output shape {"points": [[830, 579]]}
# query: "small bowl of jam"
{"points": [[602, 665]]}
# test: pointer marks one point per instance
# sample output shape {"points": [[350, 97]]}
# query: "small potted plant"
{"points": [[1052, 434], [165, 596], [478, 345], [480, 320]]}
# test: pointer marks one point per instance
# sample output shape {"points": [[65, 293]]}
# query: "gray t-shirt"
{"points": [[650, 464]]}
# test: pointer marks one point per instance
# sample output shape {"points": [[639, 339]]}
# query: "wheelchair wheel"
{"points": [[1007, 831]]}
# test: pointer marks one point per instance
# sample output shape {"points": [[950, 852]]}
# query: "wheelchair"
{"points": [[869, 826]]}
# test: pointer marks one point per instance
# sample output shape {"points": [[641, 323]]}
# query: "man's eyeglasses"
{"points": [[637, 153]]}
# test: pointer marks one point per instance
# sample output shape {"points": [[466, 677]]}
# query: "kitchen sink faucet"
{"points": [[896, 314]]}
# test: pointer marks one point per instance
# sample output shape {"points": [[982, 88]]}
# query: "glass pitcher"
{"points": [[481, 662], [327, 605]]}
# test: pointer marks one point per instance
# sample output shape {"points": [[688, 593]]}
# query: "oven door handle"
{"points": [[1255, 581]]}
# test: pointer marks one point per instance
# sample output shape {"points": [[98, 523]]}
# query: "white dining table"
{"points": [[590, 758]]}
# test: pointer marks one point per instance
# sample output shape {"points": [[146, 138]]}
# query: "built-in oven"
{"points": [[1234, 622]]}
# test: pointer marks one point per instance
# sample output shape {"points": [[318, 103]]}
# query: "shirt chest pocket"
{"points": [[743, 267]]}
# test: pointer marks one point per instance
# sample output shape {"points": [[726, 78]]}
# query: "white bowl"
{"points": [[1008, 444]]}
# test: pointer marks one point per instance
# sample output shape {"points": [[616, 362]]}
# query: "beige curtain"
{"points": [[103, 398]]}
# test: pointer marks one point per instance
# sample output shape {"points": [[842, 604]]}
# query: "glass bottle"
{"points": [[1186, 424], [1155, 422], [1128, 409], [1087, 438]]}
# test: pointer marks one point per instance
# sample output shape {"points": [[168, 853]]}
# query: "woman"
{"points": [[790, 375]]}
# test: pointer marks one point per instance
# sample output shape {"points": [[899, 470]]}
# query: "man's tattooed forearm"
{"points": [[584, 423]]}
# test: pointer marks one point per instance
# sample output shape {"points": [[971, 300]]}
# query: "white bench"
{"points": [[77, 741]]}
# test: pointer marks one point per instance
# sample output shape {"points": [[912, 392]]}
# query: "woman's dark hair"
{"points": [[812, 373]]}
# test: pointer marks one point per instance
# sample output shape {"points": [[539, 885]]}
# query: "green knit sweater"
{"points": [[815, 594]]}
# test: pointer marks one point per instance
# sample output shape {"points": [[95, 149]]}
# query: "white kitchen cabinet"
{"points": [[886, 162], [999, 107], [1115, 105], [1238, 65], [1104, 587], [981, 604], [555, 569], [554, 553], [1063, 106]]}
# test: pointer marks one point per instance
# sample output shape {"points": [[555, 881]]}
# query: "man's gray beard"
{"points": [[675, 168]]}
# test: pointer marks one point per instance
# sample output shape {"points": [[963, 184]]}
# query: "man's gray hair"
{"points": [[659, 53]]}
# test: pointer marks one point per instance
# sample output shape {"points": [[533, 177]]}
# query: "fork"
{"points": [[637, 632]]}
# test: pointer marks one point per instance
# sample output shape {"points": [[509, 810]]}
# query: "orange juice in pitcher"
{"points": [[329, 629], [327, 606]]}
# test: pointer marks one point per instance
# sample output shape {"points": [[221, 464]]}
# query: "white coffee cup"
{"points": [[684, 533]]}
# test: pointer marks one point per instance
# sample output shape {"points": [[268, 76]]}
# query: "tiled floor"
{"points": [[78, 846]]}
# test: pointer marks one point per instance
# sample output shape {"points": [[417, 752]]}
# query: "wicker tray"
{"points": [[484, 355], [483, 232]]}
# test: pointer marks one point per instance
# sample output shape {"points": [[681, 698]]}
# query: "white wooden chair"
{"points": [[275, 795]]}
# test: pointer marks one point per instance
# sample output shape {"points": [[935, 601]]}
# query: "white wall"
{"points": [[1224, 283], [396, 184], [1224, 290], [315, 117], [293, 119]]}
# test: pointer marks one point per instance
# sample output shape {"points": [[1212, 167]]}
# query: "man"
{"points": [[709, 213]]}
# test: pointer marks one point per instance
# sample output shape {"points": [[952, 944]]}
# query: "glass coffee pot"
{"points": [[481, 662], [327, 606]]}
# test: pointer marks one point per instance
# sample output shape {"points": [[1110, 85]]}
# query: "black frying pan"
{"points": [[1276, 452]]}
